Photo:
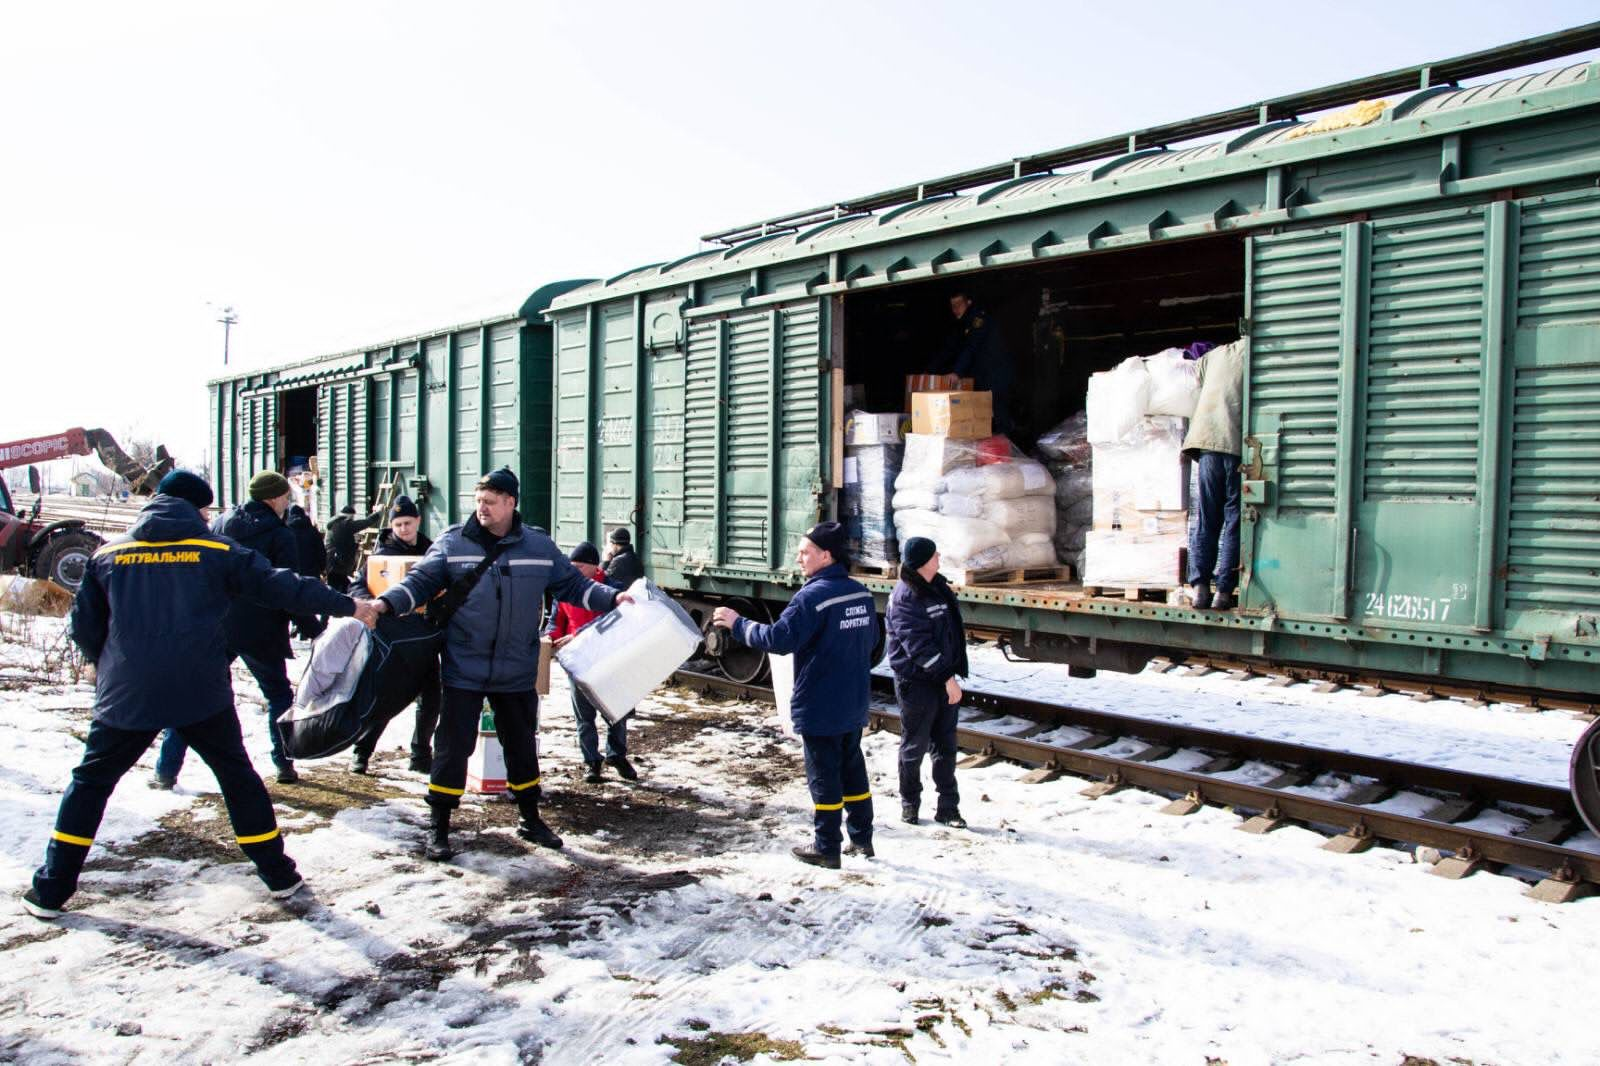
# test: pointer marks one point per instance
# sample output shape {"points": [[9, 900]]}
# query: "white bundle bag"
{"points": [[996, 481], [1174, 384], [965, 538], [956, 503], [1036, 480], [1026, 514], [1118, 398], [987, 559], [334, 669], [917, 523], [915, 500], [1030, 549]]}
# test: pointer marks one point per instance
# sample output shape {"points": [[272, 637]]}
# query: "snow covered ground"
{"points": [[675, 926]]}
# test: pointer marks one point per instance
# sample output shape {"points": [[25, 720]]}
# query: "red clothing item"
{"points": [[570, 617]]}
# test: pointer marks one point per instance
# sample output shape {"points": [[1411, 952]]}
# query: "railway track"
{"points": [[1368, 684], [1475, 821]]}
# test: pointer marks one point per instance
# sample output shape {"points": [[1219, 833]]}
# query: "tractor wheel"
{"points": [[65, 559]]}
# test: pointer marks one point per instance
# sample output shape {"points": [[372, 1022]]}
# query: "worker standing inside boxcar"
{"points": [[404, 538], [565, 622], [830, 628], [149, 616], [622, 563], [1213, 443], [928, 654], [342, 550], [491, 650], [978, 351]]}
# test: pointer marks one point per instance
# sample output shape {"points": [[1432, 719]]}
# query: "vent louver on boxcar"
{"points": [[1553, 536], [1553, 540], [1558, 270], [1424, 358], [700, 440], [747, 461], [1294, 358]]}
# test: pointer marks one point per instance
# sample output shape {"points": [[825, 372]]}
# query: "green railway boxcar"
{"points": [[1421, 295], [435, 409]]}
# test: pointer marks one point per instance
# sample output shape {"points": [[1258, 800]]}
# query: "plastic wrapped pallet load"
{"points": [[624, 654], [1143, 472], [865, 503], [1124, 559]]}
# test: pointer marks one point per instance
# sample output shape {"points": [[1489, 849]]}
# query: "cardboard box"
{"points": [[962, 415], [864, 427], [386, 571], [547, 652], [916, 383]]}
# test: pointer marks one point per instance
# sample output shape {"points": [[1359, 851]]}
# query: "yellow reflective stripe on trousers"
{"points": [[830, 806], [526, 784], [68, 838], [162, 544], [258, 838], [447, 791], [858, 799]]}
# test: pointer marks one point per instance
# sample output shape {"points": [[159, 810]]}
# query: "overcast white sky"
{"points": [[342, 173]]}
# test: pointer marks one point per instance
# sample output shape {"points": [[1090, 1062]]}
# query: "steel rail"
{"points": [[1355, 820]]}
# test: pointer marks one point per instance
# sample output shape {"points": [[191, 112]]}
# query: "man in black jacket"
{"points": [[621, 563], [342, 550], [311, 556], [403, 537], [257, 634], [149, 617]]}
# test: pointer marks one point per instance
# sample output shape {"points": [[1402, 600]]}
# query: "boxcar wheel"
{"points": [[1586, 776]]}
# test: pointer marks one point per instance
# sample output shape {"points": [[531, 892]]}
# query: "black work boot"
{"points": [[421, 763], [812, 857], [623, 767], [1223, 601], [1202, 597], [358, 761], [438, 848], [592, 773], [908, 813], [534, 830], [864, 850], [951, 818]]}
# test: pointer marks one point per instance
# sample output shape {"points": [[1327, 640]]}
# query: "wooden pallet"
{"points": [[1025, 575], [888, 571], [1134, 593]]}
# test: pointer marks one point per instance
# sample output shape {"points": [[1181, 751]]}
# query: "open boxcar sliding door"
{"points": [[755, 428]]}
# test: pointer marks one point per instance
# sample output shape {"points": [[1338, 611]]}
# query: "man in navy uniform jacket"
{"points": [[830, 628], [149, 616]]}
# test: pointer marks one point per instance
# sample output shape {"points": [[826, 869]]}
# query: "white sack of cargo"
{"points": [[917, 523], [1030, 549], [1174, 384], [956, 567], [1036, 480], [996, 481], [1026, 514], [915, 500], [334, 668], [964, 538], [1118, 398], [621, 656]]}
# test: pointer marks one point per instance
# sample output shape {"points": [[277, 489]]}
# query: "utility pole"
{"points": [[228, 319]]}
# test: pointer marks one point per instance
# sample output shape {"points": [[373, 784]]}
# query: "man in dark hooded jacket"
{"points": [[257, 634], [312, 559], [403, 537], [622, 563], [342, 549], [149, 616]]}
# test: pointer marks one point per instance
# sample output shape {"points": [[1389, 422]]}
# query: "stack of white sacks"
{"points": [[1138, 414], [982, 517]]}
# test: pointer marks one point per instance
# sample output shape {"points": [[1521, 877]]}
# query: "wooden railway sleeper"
{"points": [[1187, 805], [1265, 822], [1352, 841]]}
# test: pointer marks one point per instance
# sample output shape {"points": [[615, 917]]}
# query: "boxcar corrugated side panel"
{"points": [[572, 429]]}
